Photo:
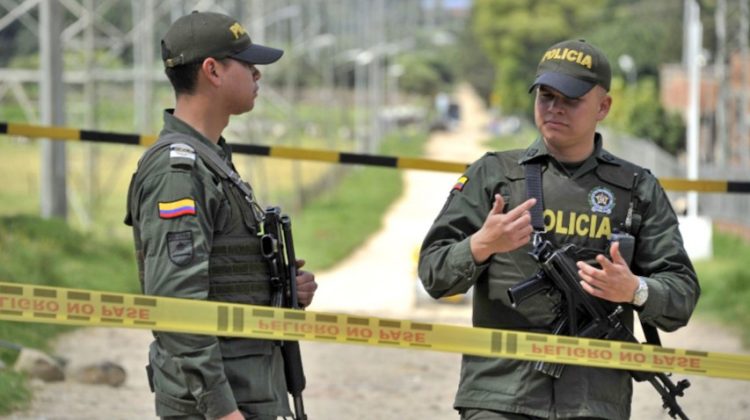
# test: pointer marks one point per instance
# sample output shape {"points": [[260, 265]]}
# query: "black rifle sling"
{"points": [[534, 190]]}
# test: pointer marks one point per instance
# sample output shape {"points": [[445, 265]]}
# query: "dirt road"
{"points": [[358, 382]]}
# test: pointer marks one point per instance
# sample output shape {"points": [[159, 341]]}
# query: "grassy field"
{"points": [[98, 178], [725, 284]]}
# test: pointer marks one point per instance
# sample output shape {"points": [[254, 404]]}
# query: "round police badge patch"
{"points": [[602, 200]]}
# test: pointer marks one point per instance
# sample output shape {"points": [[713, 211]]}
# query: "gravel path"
{"points": [[359, 382]]}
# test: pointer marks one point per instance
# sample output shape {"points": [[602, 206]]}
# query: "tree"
{"points": [[426, 72], [515, 33], [648, 31], [636, 110]]}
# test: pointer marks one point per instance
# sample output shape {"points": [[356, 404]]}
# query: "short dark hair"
{"points": [[184, 78]]}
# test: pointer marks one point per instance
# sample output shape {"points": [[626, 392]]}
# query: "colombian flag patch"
{"points": [[460, 183], [178, 208]]}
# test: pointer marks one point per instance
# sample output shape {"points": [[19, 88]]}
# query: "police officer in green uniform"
{"points": [[196, 232], [481, 238]]}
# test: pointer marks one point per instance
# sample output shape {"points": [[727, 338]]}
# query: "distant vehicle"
{"points": [[448, 113]]}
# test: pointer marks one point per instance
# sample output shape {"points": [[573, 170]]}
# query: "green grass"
{"points": [[725, 284], [49, 252], [14, 392]]}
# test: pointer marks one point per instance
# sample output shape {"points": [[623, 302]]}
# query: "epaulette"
{"points": [[181, 155]]}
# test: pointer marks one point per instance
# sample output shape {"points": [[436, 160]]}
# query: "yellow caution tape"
{"points": [[30, 303]]}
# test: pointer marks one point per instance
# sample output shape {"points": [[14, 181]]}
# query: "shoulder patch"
{"points": [[181, 154], [174, 209], [461, 183]]}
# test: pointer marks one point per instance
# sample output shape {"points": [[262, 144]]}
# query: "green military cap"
{"points": [[573, 67], [200, 35]]}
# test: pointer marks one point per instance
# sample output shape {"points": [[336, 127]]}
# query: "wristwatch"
{"points": [[641, 293]]}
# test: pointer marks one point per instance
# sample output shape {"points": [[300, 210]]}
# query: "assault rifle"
{"points": [[277, 248], [586, 316]]}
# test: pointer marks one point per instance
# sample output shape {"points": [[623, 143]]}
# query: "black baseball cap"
{"points": [[573, 67], [200, 35]]}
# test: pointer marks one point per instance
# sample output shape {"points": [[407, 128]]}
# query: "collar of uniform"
{"points": [[602, 155], [172, 123], [536, 150]]}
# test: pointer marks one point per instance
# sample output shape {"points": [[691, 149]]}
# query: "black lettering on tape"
{"points": [[512, 343], [111, 299], [326, 318], [45, 293], [633, 347], [389, 323], [222, 322], [238, 318], [357, 321], [537, 338], [294, 315], [112, 320], [9, 312], [144, 301], [79, 296], [11, 290], [263, 313], [496, 342]]}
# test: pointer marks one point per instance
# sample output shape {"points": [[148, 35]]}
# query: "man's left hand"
{"points": [[306, 285]]}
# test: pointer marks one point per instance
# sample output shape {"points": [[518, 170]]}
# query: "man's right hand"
{"points": [[502, 232]]}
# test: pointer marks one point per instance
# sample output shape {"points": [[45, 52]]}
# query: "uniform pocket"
{"points": [[169, 385], [252, 376]]}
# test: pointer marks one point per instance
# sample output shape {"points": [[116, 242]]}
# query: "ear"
{"points": [[211, 70], [604, 105]]}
